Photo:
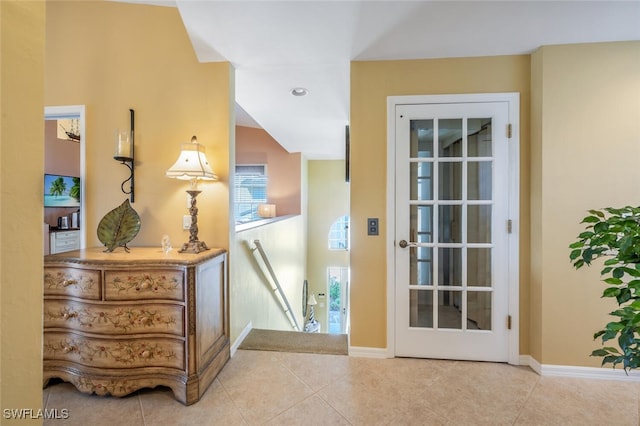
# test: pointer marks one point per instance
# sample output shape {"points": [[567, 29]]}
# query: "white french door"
{"points": [[453, 270]]}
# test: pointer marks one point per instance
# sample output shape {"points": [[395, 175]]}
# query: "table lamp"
{"points": [[192, 165]]}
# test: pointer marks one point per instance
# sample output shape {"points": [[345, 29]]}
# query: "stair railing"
{"points": [[286, 307]]}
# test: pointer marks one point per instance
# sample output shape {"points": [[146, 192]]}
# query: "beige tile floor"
{"points": [[275, 388]]}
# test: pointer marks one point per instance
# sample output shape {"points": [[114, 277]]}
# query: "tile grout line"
{"points": [[224, 389], [314, 393], [526, 400], [144, 421], [46, 402]]}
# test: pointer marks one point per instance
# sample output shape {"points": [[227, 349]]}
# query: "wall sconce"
{"points": [[192, 165], [267, 210], [124, 153]]}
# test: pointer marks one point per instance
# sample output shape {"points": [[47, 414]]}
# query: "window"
{"points": [[250, 191], [339, 234], [337, 286]]}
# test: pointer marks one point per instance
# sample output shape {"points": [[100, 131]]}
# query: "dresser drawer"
{"points": [[68, 236], [137, 285], [112, 319], [66, 245], [60, 281], [114, 353]]}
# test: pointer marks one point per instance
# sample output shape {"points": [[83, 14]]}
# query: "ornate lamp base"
{"points": [[194, 245]]}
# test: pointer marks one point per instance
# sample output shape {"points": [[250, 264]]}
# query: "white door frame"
{"points": [[66, 111], [514, 206]]}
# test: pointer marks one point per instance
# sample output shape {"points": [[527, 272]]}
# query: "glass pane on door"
{"points": [[450, 181], [451, 192], [421, 145], [479, 180], [449, 266], [450, 137], [479, 310], [449, 220], [421, 266], [421, 187], [479, 137], [450, 309], [421, 223], [479, 223], [421, 308], [479, 267]]}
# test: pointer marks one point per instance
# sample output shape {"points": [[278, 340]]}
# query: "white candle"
{"points": [[123, 144]]}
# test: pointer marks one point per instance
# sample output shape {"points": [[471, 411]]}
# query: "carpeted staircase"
{"points": [[295, 341]]}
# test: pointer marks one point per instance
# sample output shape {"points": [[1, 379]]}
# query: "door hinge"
{"points": [[509, 130], [508, 322], [509, 226]]}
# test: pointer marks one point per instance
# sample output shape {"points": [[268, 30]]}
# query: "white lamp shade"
{"points": [[312, 300], [192, 163], [267, 210]]}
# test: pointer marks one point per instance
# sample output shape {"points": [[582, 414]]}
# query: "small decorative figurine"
{"points": [[166, 244]]}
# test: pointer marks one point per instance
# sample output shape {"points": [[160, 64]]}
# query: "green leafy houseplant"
{"points": [[614, 234]]}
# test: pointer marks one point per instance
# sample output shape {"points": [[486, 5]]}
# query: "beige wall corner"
{"points": [[22, 131], [585, 115]]}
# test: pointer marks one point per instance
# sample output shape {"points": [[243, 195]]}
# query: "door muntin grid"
{"points": [[451, 203]]}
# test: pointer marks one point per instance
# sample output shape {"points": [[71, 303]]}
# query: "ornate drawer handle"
{"points": [[68, 315], [68, 349], [145, 354], [67, 283]]}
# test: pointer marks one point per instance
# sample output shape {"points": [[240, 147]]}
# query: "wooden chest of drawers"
{"points": [[117, 322]]}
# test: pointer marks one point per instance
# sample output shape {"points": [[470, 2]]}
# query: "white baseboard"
{"points": [[240, 339], [363, 352], [531, 362], [550, 370]]}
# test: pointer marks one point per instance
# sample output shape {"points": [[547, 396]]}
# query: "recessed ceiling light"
{"points": [[299, 91]]}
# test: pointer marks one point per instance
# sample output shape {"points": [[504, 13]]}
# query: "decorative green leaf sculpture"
{"points": [[118, 227]]}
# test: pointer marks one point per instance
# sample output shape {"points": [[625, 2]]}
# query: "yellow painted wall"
{"points": [[22, 26], [587, 150], [114, 56], [371, 83], [251, 299], [535, 161], [328, 200]]}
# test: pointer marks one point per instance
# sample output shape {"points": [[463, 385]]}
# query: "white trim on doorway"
{"points": [[67, 111], [514, 200]]}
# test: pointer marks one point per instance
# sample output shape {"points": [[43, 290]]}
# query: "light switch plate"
{"points": [[372, 226], [186, 221]]}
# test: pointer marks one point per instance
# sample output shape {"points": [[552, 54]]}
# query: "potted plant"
{"points": [[614, 234]]}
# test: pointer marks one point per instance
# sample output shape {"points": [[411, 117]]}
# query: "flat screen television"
{"points": [[61, 191]]}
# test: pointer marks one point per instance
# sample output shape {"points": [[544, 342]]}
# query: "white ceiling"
{"points": [[278, 45]]}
